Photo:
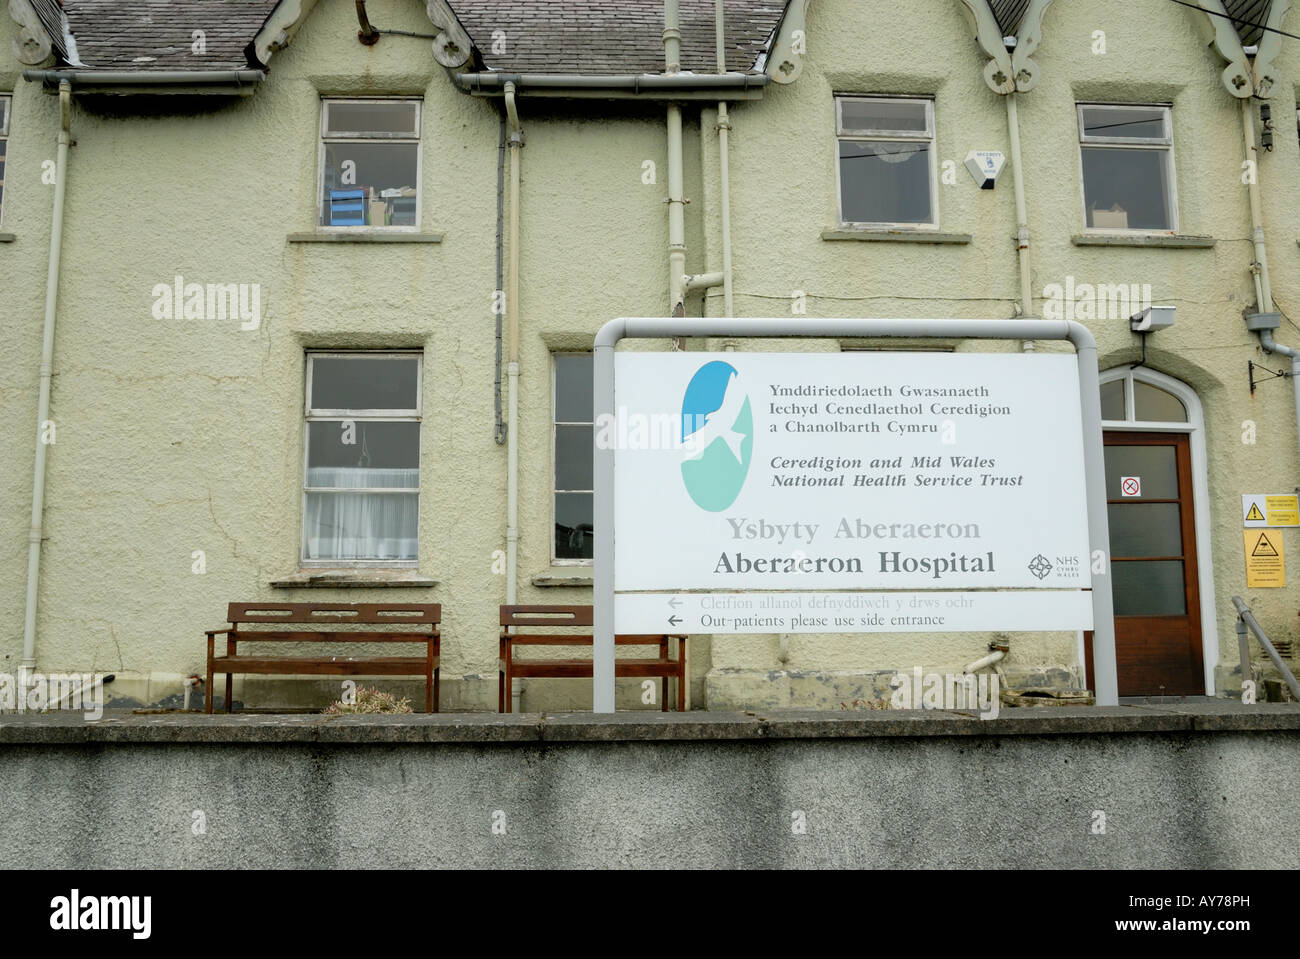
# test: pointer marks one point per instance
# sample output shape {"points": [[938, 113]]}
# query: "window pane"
{"points": [[3, 144], [573, 458], [1148, 588], [574, 538], [371, 119], [1145, 529], [364, 382], [1154, 465], [358, 526], [385, 176], [4, 115], [883, 115], [1127, 122], [1155, 405], [363, 454], [573, 402], [1112, 401], [1126, 189], [884, 182]]}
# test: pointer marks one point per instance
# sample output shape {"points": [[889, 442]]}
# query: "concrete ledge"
{"points": [[896, 236], [353, 579], [1170, 240], [365, 237], [7, 237], [641, 726]]}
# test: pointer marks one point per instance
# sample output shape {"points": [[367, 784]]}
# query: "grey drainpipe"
{"points": [[47, 366], [501, 426]]}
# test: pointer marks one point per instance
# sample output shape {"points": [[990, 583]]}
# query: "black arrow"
{"points": [[674, 602], [674, 620]]}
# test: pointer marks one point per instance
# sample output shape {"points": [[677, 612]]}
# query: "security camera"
{"points": [[1151, 319]]}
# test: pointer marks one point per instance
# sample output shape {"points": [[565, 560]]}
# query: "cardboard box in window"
{"points": [[1116, 218], [378, 213]]}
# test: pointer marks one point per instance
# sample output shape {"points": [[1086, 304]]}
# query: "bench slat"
{"points": [[330, 636], [295, 665], [370, 613]]}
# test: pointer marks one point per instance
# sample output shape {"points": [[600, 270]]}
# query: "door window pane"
{"points": [[573, 467], [1112, 401], [1156, 466], [1145, 529], [1148, 588], [1157, 406]]}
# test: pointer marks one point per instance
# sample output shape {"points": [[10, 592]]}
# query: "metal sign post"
{"points": [[1078, 335]]}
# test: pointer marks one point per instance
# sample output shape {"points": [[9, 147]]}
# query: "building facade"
{"points": [[322, 301]]}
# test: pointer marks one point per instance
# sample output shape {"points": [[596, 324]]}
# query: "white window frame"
{"points": [[6, 112], [1164, 144], [567, 561], [899, 136], [417, 138], [317, 415], [1195, 428]]}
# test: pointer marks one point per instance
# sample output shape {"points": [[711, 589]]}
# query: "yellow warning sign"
{"points": [[1261, 510], [1265, 560], [1282, 510]]}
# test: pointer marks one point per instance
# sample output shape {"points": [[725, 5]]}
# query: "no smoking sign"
{"points": [[1130, 486]]}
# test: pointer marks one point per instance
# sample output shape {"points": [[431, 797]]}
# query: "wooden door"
{"points": [[1153, 567]]}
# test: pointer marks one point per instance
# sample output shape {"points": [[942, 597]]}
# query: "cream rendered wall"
{"points": [[175, 436]]}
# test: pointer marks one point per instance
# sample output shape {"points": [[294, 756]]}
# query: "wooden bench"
{"points": [[318, 623], [534, 619]]}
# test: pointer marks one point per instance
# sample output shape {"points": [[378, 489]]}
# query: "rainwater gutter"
{"points": [[161, 81]]}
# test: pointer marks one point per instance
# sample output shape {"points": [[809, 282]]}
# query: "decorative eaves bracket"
{"points": [[33, 46], [279, 29], [1009, 71], [1240, 77], [453, 46], [785, 61]]}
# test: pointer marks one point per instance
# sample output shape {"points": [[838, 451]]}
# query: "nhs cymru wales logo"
{"points": [[718, 433]]}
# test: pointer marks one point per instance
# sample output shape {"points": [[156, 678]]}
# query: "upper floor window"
{"points": [[887, 170], [370, 163], [572, 443], [361, 491], [1128, 167], [6, 104]]}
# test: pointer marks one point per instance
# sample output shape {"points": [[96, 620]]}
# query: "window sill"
{"points": [[580, 576], [7, 237], [354, 579], [365, 236], [896, 236], [1167, 240]]}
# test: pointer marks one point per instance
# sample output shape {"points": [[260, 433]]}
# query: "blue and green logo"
{"points": [[718, 431]]}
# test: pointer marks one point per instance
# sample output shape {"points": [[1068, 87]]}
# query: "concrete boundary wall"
{"points": [[1196, 786]]}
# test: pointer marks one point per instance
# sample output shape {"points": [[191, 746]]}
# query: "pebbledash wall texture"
{"points": [[176, 435]]}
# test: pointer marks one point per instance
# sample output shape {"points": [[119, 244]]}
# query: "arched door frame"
{"points": [[1195, 428]]}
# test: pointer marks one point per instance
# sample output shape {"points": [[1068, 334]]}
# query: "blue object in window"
{"points": [[347, 207]]}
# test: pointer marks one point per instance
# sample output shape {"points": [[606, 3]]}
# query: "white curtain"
{"points": [[361, 525]]}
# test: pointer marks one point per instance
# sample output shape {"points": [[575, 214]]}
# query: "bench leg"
{"points": [[665, 696], [208, 691], [501, 691], [437, 689], [230, 693]]}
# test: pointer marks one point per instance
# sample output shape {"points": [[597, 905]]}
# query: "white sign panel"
{"points": [[893, 612], [848, 471]]}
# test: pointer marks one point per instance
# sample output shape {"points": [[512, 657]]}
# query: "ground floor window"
{"points": [[361, 489]]}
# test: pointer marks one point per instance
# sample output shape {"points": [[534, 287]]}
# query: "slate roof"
{"points": [[1252, 12], [1008, 14], [614, 36], [158, 34], [542, 36]]}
